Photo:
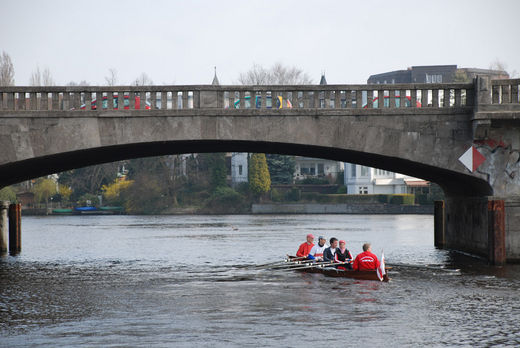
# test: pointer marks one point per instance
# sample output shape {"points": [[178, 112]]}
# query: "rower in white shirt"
{"points": [[317, 249]]}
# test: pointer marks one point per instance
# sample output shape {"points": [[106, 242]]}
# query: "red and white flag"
{"points": [[381, 270]]}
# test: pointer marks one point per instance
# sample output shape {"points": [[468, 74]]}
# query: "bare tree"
{"points": [[278, 74], [39, 78], [143, 80], [80, 83], [111, 79], [6, 70], [497, 64]]}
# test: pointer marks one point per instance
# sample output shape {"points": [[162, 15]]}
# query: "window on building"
{"points": [[433, 78], [364, 171], [310, 170], [239, 169], [320, 169], [363, 190], [353, 170]]}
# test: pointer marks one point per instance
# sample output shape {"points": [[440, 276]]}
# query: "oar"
{"points": [[286, 260], [287, 263], [304, 266], [272, 263], [323, 265], [300, 264]]}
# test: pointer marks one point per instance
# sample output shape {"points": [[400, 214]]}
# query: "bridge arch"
{"points": [[453, 183]]}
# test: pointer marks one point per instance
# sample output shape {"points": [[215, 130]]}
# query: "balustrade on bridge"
{"points": [[120, 98]]}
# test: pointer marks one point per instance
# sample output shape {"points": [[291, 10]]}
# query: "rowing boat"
{"points": [[334, 272]]}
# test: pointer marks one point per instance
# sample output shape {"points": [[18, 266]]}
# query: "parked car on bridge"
{"points": [[126, 103]]}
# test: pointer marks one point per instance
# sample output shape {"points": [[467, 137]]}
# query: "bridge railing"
{"points": [[86, 98], [505, 91]]}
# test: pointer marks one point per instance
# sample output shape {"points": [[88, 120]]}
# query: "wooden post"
{"points": [[439, 223], [15, 228], [497, 232], [4, 208]]}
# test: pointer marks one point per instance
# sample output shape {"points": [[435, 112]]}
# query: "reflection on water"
{"points": [[184, 281]]}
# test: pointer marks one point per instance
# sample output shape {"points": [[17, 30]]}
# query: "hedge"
{"points": [[406, 199]]}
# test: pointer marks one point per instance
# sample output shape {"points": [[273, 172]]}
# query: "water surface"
{"points": [[165, 281]]}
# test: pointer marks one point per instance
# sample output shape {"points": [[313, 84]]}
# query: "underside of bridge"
{"points": [[453, 183], [463, 223]]}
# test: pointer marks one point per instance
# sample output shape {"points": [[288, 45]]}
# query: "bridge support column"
{"points": [[15, 228], [4, 207], [512, 233], [484, 226], [467, 225], [497, 232], [439, 224]]}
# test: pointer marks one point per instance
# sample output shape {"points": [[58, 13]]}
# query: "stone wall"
{"points": [[368, 209]]}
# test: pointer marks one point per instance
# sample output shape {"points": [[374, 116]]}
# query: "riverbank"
{"points": [[268, 208], [316, 208]]}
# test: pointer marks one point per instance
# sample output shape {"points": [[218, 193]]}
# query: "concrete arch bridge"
{"points": [[416, 129]]}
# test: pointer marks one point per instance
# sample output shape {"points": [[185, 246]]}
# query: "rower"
{"points": [[366, 261], [343, 255], [305, 248], [328, 253], [318, 249]]}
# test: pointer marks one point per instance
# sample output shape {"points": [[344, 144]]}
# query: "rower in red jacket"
{"points": [[366, 261], [305, 248]]}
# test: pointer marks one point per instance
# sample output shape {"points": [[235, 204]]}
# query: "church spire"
{"points": [[323, 80], [215, 78]]}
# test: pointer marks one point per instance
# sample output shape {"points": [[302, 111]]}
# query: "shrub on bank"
{"points": [[407, 199], [293, 195], [314, 181], [403, 199], [225, 200], [276, 196]]}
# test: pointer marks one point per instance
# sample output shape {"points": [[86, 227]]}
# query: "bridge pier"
{"points": [[439, 224], [484, 226], [496, 232], [4, 207], [15, 228]]}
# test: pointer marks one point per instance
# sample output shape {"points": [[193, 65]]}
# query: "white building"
{"points": [[239, 167], [306, 167], [365, 180]]}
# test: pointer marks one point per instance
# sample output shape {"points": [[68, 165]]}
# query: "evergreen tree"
{"points": [[259, 178], [281, 168], [217, 169]]}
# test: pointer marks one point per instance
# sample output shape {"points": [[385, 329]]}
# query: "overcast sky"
{"points": [[179, 42]]}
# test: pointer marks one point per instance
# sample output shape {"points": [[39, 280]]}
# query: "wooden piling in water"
{"points": [[15, 228], [4, 208]]}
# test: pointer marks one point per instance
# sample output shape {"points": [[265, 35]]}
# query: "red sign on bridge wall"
{"points": [[472, 159]]}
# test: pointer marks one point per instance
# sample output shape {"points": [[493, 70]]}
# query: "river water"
{"points": [[180, 281]]}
